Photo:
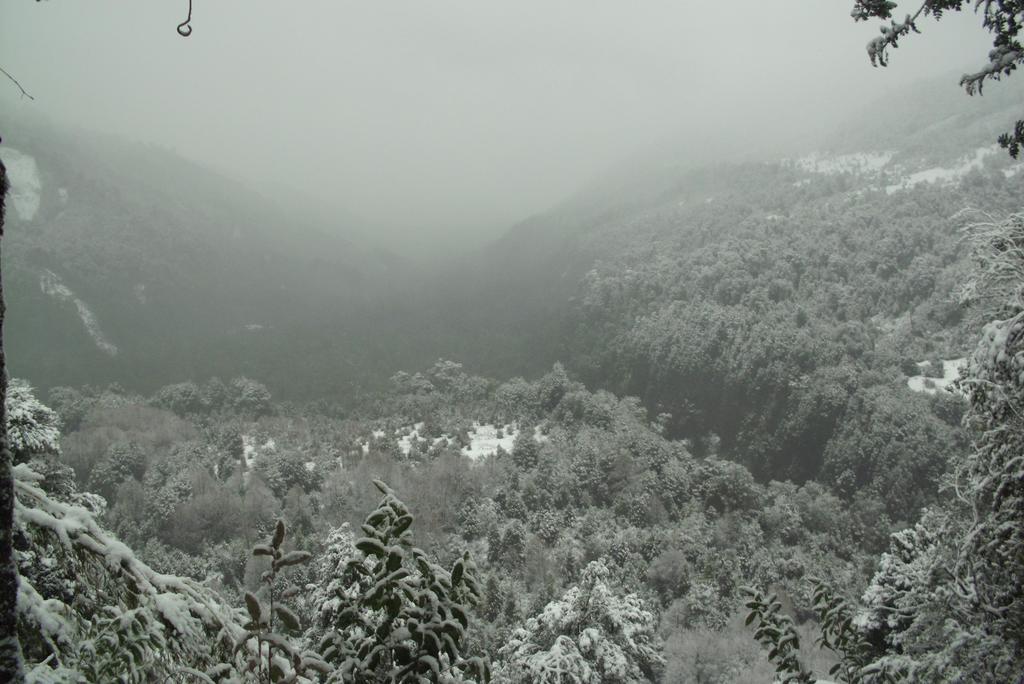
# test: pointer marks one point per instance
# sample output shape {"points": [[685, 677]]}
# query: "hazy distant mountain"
{"points": [[903, 164], [125, 262]]}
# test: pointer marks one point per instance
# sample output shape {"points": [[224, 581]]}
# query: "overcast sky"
{"points": [[439, 116]]}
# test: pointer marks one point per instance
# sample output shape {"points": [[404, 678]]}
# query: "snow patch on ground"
{"points": [[539, 437], [415, 436], [248, 451], [405, 442], [377, 434], [251, 451], [51, 284], [484, 440], [831, 165], [950, 372], [26, 185], [248, 457], [897, 176], [945, 175]]}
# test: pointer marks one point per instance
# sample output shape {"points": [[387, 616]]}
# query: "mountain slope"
{"points": [[760, 306], [128, 263]]}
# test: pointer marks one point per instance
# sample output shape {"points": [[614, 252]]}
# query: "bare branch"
{"points": [[24, 93]]}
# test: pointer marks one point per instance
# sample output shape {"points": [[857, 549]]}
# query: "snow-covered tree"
{"points": [[250, 397], [889, 602], [181, 398], [32, 428], [591, 635]]}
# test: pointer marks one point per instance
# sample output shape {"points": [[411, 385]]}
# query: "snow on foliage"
{"points": [[395, 615], [251, 397], [830, 165], [32, 428], [322, 597], [890, 601], [90, 610], [590, 635]]}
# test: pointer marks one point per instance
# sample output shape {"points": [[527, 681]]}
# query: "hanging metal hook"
{"points": [[184, 28]]}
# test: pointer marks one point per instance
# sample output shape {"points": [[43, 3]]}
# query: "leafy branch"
{"points": [[776, 632], [1002, 18], [291, 663]]}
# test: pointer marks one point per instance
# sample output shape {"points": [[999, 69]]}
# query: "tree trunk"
{"points": [[11, 669]]}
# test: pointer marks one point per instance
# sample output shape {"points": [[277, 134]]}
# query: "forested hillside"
{"points": [[547, 485], [777, 313]]}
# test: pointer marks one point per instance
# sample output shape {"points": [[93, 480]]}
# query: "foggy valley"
{"points": [[573, 342]]}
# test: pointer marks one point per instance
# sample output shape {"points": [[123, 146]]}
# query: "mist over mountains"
{"points": [[129, 264], [729, 394]]}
